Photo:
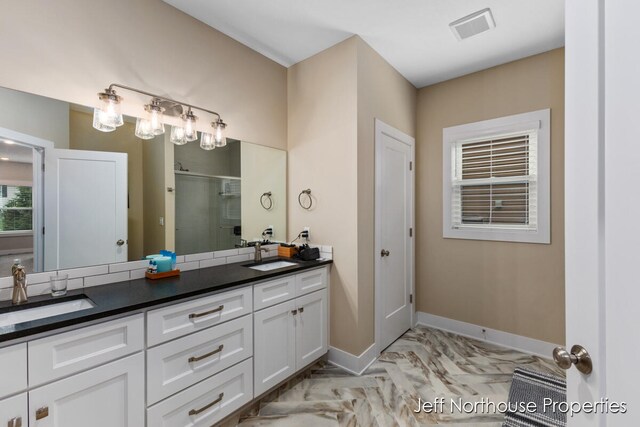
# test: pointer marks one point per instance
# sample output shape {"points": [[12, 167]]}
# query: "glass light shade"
{"points": [[177, 135], [99, 123], [206, 141], [220, 140], [110, 115], [144, 129], [155, 116], [189, 125]]}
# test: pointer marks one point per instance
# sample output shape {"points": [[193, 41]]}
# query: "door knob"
{"points": [[384, 253], [578, 356], [120, 242]]}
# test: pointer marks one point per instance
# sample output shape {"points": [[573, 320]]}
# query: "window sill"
{"points": [[16, 234]]}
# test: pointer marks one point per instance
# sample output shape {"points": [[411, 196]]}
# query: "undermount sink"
{"points": [[270, 265], [43, 311]]}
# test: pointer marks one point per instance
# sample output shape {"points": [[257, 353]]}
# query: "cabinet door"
{"points": [[13, 361], [274, 345], [107, 396], [13, 411], [311, 327]]}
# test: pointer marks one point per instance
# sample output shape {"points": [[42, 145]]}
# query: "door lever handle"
{"points": [[384, 253], [578, 356]]}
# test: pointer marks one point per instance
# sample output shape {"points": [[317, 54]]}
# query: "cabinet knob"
{"points": [[301, 309], [294, 312]]}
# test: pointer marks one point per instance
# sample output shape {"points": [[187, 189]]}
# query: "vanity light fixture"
{"points": [[107, 117]]}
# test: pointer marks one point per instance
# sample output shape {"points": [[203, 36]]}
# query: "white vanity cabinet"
{"points": [[13, 411], [199, 361], [292, 334], [106, 396]]}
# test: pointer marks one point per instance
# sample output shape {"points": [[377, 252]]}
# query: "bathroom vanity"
{"points": [[184, 351]]}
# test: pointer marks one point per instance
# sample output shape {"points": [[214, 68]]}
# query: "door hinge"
{"points": [[410, 166], [43, 167], [411, 299], [411, 232], [42, 230]]}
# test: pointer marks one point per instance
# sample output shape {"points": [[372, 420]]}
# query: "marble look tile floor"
{"points": [[424, 363]]}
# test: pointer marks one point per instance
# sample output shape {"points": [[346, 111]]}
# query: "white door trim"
{"points": [[39, 146], [380, 129]]}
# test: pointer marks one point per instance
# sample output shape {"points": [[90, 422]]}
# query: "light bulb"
{"points": [[189, 124], [107, 116], [155, 116], [206, 141], [177, 135], [144, 129]]}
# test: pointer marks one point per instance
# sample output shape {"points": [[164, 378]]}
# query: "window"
{"points": [[496, 179], [16, 209]]}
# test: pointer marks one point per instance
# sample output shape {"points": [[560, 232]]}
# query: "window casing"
{"points": [[16, 209], [496, 179]]}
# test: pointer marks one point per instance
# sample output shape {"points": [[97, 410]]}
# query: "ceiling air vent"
{"points": [[473, 24]]}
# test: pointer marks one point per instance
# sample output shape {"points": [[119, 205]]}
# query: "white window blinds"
{"points": [[494, 182]]}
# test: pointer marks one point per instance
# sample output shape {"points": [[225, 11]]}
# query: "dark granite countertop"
{"points": [[136, 295]]}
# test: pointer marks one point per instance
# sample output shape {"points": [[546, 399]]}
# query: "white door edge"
{"points": [[380, 129]]}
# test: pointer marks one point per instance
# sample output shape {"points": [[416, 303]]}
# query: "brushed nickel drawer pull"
{"points": [[42, 413], [215, 310], [204, 408], [15, 422], [204, 356]]}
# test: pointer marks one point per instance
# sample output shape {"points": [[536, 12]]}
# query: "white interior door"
{"points": [[394, 235], [602, 205], [85, 208]]}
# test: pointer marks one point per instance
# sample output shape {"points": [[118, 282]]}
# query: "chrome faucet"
{"points": [[257, 257], [19, 283]]}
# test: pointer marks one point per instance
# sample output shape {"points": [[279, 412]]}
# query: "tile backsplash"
{"points": [[38, 283]]}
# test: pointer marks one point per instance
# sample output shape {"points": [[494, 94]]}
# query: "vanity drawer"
{"points": [[207, 402], [273, 292], [311, 281], [14, 408], [171, 368], [13, 361], [70, 352], [178, 320]]}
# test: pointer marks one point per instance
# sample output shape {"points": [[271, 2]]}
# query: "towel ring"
{"points": [[266, 201], [308, 193]]}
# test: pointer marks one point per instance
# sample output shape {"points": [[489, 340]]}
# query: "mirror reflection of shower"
{"points": [[208, 198]]}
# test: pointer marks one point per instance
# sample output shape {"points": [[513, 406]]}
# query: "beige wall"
{"points": [[334, 97], [513, 287], [382, 94], [70, 50], [82, 136], [34, 115]]}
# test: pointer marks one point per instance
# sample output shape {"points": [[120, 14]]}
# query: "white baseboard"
{"points": [[505, 339], [353, 364]]}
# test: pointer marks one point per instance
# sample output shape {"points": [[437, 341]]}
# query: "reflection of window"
{"points": [[16, 208], [496, 184]]}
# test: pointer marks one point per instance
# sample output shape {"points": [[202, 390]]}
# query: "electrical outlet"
{"points": [[271, 228], [305, 233], [161, 221]]}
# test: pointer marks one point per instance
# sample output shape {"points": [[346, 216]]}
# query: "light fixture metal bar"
{"points": [[184, 104]]}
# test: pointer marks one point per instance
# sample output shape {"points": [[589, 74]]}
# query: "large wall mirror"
{"points": [[71, 196]]}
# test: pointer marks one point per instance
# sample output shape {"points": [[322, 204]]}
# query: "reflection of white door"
{"points": [[602, 205], [85, 208], [394, 243]]}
